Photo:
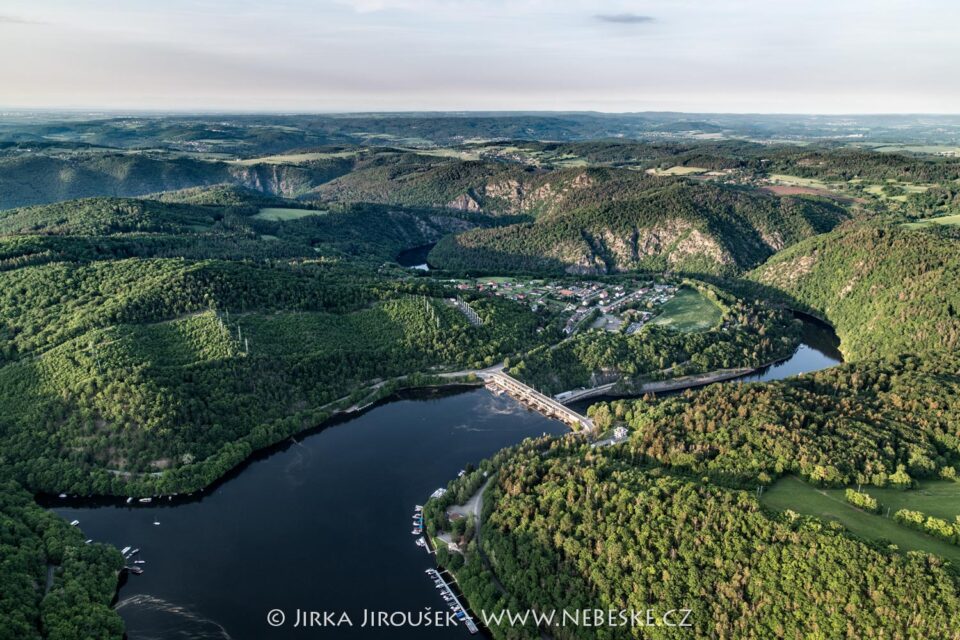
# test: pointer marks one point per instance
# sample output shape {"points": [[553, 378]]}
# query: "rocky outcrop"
{"points": [[465, 202]]}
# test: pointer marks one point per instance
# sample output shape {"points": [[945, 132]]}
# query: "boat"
{"points": [[135, 552], [417, 532], [421, 542], [74, 523], [62, 496], [139, 562], [418, 507], [129, 500], [156, 523], [124, 550], [135, 570], [145, 500], [88, 541]]}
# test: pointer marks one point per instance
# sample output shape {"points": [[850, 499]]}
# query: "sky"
{"points": [[748, 56]]}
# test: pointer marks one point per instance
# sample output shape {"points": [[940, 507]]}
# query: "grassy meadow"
{"points": [[689, 311], [933, 498], [280, 214]]}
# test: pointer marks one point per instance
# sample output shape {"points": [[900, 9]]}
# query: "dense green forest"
{"points": [[886, 288], [52, 585], [219, 223], [630, 222], [576, 528], [110, 400]]}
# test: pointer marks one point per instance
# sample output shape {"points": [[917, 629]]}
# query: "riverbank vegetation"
{"points": [[574, 527], [52, 584], [748, 337]]}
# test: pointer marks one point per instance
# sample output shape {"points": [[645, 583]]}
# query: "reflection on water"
{"points": [[819, 349], [321, 524]]}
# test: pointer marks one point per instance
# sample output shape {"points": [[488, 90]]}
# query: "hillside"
{"points": [[218, 222], [41, 179], [617, 223], [886, 289], [212, 359]]}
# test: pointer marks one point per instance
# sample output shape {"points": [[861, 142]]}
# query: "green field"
{"points": [[678, 171], [689, 311], [279, 214], [877, 190], [797, 181], [793, 493], [294, 158], [947, 220]]}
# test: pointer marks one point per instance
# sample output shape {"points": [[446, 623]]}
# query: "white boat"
{"points": [[418, 507], [63, 495], [124, 550], [156, 523], [146, 499], [129, 500], [88, 541], [74, 523], [139, 562]]}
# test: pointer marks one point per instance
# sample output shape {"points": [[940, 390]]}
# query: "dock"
{"points": [[467, 620]]}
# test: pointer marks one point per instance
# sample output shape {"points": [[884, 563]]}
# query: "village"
{"points": [[621, 306]]}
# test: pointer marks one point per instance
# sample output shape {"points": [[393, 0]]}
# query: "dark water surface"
{"points": [[323, 523], [416, 258], [819, 349]]}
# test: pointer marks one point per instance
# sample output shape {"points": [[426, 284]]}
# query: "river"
{"points": [[323, 522], [416, 258]]}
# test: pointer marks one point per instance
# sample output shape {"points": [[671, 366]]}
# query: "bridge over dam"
{"points": [[536, 400]]}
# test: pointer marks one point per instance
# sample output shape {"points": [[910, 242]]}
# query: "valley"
{"points": [[210, 332]]}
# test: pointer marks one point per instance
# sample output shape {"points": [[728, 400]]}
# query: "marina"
{"points": [[453, 602]]}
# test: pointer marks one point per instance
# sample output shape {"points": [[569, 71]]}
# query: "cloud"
{"points": [[623, 18], [16, 20]]}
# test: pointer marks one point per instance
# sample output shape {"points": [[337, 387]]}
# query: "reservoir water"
{"points": [[323, 521], [415, 258]]}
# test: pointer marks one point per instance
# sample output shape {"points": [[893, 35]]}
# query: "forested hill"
{"points": [[38, 179], [887, 289], [672, 515], [619, 224], [219, 222]]}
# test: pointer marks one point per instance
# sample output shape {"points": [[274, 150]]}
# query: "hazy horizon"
{"points": [[860, 57]]}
